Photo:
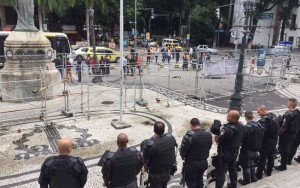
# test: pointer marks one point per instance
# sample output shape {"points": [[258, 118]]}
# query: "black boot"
{"points": [[268, 172], [280, 168], [297, 159], [253, 179], [244, 181]]}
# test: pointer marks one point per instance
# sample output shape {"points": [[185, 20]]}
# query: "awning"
{"points": [[70, 32]]}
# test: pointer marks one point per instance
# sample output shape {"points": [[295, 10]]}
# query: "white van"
{"points": [[166, 41]]}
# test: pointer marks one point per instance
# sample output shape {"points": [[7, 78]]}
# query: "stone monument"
{"points": [[29, 56]]}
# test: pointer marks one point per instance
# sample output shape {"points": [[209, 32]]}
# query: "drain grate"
{"points": [[108, 102]]}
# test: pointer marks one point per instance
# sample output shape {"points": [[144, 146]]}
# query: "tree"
{"points": [[202, 20]]}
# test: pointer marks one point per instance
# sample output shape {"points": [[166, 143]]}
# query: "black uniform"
{"points": [[267, 151], [229, 142], [63, 171], [252, 138], [194, 150], [296, 141], [161, 158], [288, 136], [120, 168]]}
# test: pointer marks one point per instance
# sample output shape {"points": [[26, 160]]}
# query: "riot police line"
{"points": [[251, 146]]}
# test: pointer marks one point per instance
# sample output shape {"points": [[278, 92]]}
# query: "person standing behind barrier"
{"points": [[252, 141], [125, 68], [120, 168], [156, 55], [69, 71], [148, 57], [228, 140], [132, 64], [191, 51], [159, 156], [102, 65], [173, 52], [269, 142], [78, 70], [92, 64], [107, 64], [88, 63], [194, 151], [139, 63], [164, 54], [185, 65], [287, 133], [59, 65], [169, 54], [63, 170], [177, 55]]}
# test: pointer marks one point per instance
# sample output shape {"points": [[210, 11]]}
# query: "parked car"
{"points": [[145, 42], [102, 51], [207, 49], [279, 50], [80, 53], [176, 45]]}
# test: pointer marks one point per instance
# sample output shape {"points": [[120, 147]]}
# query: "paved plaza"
{"points": [[24, 146]]}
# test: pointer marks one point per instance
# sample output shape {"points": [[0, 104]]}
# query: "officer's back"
{"points": [[120, 168], [194, 150], [63, 170], [159, 156]]}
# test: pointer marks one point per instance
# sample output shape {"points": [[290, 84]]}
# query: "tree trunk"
{"points": [[40, 15], [283, 24], [277, 24]]}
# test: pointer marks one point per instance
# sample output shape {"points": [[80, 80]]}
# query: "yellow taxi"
{"points": [[102, 51], [177, 46]]}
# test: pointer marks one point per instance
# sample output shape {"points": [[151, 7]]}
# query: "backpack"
{"points": [[295, 123], [237, 139], [255, 137]]}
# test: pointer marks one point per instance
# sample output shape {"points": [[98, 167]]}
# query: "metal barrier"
{"points": [[153, 82]]}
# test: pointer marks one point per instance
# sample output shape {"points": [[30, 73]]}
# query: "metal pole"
{"points": [[87, 27], [236, 98], [236, 43], [135, 33], [121, 57]]}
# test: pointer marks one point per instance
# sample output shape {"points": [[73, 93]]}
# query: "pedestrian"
{"points": [[169, 55], [194, 60], [194, 151], [267, 151], [177, 55], [125, 68], [288, 62], [102, 65], [173, 52], [132, 64], [159, 156], [252, 141], [164, 54], [296, 141], [88, 59], [92, 64], [287, 133], [185, 65], [63, 170], [252, 65], [59, 65], [139, 64], [156, 55], [69, 71], [79, 70], [120, 168], [148, 57], [229, 141], [191, 51], [107, 64]]}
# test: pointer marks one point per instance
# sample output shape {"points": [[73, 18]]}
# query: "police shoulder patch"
{"points": [[190, 133], [222, 132], [132, 148]]}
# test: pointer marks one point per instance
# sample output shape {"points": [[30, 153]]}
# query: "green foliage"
{"points": [[202, 21]]}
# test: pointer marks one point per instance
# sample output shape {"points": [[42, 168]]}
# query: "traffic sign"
{"points": [[235, 42], [219, 30], [265, 16], [148, 35]]}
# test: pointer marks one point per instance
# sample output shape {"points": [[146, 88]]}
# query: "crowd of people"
{"points": [[238, 145]]}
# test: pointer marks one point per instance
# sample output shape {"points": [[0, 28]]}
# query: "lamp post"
{"points": [[135, 33], [236, 99], [121, 59]]}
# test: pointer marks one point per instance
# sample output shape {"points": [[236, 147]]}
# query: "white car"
{"points": [[80, 53], [280, 50], [207, 49]]}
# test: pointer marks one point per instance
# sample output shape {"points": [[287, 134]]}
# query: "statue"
{"points": [[25, 11]]}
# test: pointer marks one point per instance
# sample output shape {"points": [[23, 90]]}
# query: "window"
{"points": [[293, 22], [108, 52], [291, 39], [84, 49], [298, 42]]}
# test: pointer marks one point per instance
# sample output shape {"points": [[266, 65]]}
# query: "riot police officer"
{"points": [[287, 133], [159, 156], [252, 141], [229, 141], [120, 168], [194, 151], [63, 170], [267, 151]]}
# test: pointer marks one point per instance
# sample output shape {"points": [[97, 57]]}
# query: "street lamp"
{"points": [[135, 33], [236, 99]]}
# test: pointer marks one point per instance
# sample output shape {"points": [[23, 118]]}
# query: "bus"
{"points": [[59, 42]]}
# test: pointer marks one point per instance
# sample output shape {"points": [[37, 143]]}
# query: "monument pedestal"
{"points": [[28, 68]]}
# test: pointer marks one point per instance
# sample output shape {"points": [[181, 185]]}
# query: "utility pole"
{"points": [[135, 33], [236, 99], [121, 59], [88, 28]]}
